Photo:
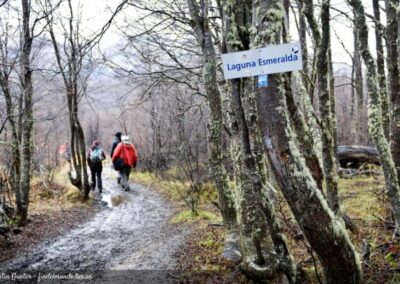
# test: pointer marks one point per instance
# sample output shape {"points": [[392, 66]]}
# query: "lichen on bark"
{"points": [[201, 27], [376, 128]]}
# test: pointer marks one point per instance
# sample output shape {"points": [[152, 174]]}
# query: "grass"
{"points": [[187, 216], [61, 176], [146, 178], [363, 197], [57, 195], [174, 188], [364, 200]]}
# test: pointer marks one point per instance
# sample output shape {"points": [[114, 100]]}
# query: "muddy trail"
{"points": [[131, 233]]}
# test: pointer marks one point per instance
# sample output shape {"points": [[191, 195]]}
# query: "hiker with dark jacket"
{"points": [[125, 153], [116, 141], [95, 157]]}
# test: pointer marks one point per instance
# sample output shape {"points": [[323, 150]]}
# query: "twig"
{"points": [[389, 225], [215, 225]]}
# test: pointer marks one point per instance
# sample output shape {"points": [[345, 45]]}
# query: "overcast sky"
{"points": [[97, 12]]}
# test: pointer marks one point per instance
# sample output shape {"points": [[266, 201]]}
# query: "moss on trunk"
{"points": [[375, 116]]}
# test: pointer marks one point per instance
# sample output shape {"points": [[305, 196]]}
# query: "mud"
{"points": [[130, 233]]}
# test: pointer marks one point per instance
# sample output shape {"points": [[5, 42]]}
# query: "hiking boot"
{"points": [[127, 188], [119, 180], [100, 190]]}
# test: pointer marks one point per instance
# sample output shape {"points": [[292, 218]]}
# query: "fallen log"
{"points": [[353, 156], [350, 172]]}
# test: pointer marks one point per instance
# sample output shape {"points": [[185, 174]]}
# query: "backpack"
{"points": [[95, 155]]}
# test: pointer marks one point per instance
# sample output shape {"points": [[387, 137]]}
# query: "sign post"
{"points": [[268, 60]]}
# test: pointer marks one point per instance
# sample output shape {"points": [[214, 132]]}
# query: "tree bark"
{"points": [[259, 258], [308, 137], [308, 10], [200, 25], [327, 113], [304, 49], [393, 61], [325, 233], [375, 117], [322, 229], [357, 93], [6, 69], [70, 74], [26, 139], [380, 63]]}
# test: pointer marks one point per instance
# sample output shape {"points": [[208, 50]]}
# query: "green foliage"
{"points": [[391, 259], [210, 242], [13, 222]]}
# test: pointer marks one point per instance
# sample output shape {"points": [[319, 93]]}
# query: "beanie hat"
{"points": [[125, 139], [96, 143], [118, 134]]}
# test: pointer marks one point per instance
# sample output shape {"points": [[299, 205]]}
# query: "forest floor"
{"points": [[151, 235], [364, 201], [51, 213]]}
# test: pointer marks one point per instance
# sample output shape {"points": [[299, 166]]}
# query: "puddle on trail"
{"points": [[113, 200]]}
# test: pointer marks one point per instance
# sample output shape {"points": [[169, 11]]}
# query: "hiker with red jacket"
{"points": [[124, 159], [95, 157]]}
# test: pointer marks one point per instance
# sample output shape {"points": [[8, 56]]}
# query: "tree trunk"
{"points": [[13, 110], [201, 27], [78, 151], [15, 141], [286, 262], [70, 74], [394, 78], [259, 258], [308, 139], [308, 10], [327, 113], [357, 93], [26, 139], [304, 49], [380, 63], [375, 117], [325, 233]]}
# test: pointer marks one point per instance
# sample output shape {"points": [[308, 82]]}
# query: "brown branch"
{"points": [[3, 3]]}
